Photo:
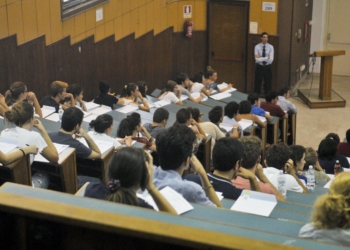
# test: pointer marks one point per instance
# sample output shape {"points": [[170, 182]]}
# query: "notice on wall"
{"points": [[253, 27], [187, 11], [269, 6]]}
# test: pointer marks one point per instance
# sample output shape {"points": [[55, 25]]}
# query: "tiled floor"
{"points": [[314, 124]]}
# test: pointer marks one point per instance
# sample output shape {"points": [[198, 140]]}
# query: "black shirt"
{"points": [[106, 99], [49, 101]]}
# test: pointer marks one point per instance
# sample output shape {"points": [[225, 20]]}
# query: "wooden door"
{"points": [[227, 33]]}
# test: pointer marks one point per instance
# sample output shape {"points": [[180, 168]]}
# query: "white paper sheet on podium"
{"points": [[197, 95], [101, 110], [91, 105], [47, 110], [224, 85], [257, 203], [220, 96]]}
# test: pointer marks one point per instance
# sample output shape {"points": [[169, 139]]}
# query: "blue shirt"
{"points": [[258, 111], [213, 86]]}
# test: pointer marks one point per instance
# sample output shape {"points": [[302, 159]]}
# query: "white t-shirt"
{"points": [[291, 183], [127, 101], [103, 137], [213, 130], [169, 96], [196, 87], [24, 137], [231, 122]]}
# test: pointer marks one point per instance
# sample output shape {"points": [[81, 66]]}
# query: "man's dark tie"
{"points": [[264, 54]]}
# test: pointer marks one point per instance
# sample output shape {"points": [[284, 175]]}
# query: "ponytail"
{"points": [[16, 89], [128, 88], [20, 114]]}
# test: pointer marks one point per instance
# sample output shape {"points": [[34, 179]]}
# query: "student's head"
{"points": [[216, 114], [310, 158], [76, 90], [277, 155], [127, 172], [175, 146], [271, 96], [161, 115], [331, 211], [20, 114], [129, 125], [252, 151], [102, 124], [182, 79], [231, 109], [17, 92], [245, 107], [183, 116], [130, 89], [297, 154], [142, 87], [227, 154], [211, 75], [196, 114], [198, 77], [334, 137], [58, 89], [327, 149], [170, 86], [254, 99], [104, 87], [72, 119], [284, 91], [264, 37]]}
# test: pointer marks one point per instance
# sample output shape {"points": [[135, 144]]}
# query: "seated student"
{"points": [[211, 76], [22, 117], [256, 110], [344, 147], [230, 115], [103, 125], [175, 147], [3, 105], [327, 156], [334, 137], [227, 154], [297, 155], [311, 158], [17, 154], [105, 97], [77, 91], [245, 109], [171, 93], [278, 158], [71, 126], [160, 119], [143, 90], [198, 84], [131, 94], [330, 219], [57, 94], [270, 105], [132, 126], [184, 84], [18, 93], [130, 169], [184, 116], [251, 162], [284, 103]]}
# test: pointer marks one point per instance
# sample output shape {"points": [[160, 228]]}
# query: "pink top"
{"points": [[242, 183]]}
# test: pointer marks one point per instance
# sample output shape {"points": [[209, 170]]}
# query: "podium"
{"points": [[326, 98]]}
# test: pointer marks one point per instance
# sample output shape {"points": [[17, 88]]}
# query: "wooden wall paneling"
{"points": [[142, 20], [43, 20], [126, 25], [90, 19], [80, 23], [99, 33], [109, 10], [150, 16], [68, 27], [8, 61], [109, 28], [134, 22], [2, 3], [55, 19], [199, 16], [15, 21], [124, 65], [173, 17], [4, 32], [118, 30], [29, 20]]}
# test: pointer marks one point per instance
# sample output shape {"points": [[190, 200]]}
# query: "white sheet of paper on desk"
{"points": [[227, 127], [252, 202], [224, 85], [103, 146], [101, 110], [6, 146], [127, 109], [161, 103], [220, 96], [183, 97], [86, 113], [53, 117], [328, 184], [219, 194], [39, 158], [47, 110], [245, 123], [263, 119], [60, 147], [150, 105], [91, 105], [90, 118], [213, 91], [197, 95]]}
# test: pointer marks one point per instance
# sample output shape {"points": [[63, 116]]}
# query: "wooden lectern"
{"points": [[326, 71]]}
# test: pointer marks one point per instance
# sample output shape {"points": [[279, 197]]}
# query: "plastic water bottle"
{"points": [[60, 113], [311, 178], [281, 179]]}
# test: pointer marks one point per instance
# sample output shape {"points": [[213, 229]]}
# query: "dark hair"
{"points": [[264, 33], [296, 153], [174, 146], [160, 114], [74, 89], [348, 135], [231, 109], [128, 125], [277, 155], [252, 151], [334, 137], [195, 113], [245, 107], [181, 78], [20, 114], [209, 73], [215, 114], [226, 152], [104, 87], [252, 97], [271, 95], [16, 89], [197, 77], [71, 118], [142, 87], [170, 85], [283, 90], [128, 88], [327, 149], [126, 170], [183, 115], [101, 123], [57, 87]]}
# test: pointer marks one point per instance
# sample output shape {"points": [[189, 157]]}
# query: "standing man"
{"points": [[264, 53]]}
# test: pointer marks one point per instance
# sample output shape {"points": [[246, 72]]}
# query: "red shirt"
{"points": [[274, 109], [344, 149]]}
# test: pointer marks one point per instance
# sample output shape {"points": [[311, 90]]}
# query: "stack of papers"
{"points": [[161, 103], [245, 123], [220, 96], [47, 110], [224, 85], [91, 105], [127, 109], [101, 110]]}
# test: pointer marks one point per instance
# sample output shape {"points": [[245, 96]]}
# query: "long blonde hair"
{"points": [[333, 210]]}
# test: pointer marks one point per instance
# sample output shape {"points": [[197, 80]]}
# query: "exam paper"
{"points": [[7, 146], [90, 118], [197, 95], [245, 123], [224, 85], [220, 96], [161, 103], [47, 110], [53, 117], [101, 110], [59, 147], [127, 109], [91, 105]]}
